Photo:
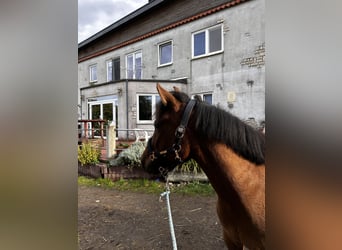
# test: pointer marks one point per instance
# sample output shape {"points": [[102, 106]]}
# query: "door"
{"points": [[104, 108], [95, 113]]}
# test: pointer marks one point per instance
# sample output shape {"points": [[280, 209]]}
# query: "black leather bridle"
{"points": [[179, 134]]}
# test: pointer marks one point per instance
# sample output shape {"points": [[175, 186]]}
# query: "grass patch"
{"points": [[148, 186], [194, 188]]}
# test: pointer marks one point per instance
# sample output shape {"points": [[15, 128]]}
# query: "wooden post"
{"points": [[111, 142], [101, 129], [85, 130]]}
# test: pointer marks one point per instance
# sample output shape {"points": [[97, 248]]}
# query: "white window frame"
{"points": [[91, 75], [159, 54], [134, 66], [154, 102], [206, 32], [109, 76]]}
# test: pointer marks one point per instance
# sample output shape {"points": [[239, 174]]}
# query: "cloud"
{"points": [[95, 15]]}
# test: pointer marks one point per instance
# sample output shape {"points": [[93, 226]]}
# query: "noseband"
{"points": [[179, 134]]}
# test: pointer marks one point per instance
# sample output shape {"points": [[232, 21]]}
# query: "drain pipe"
{"points": [[127, 113]]}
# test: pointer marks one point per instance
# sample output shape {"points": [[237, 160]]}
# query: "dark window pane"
{"points": [[165, 53], [95, 114], [208, 98], [215, 39], [116, 71], [108, 111], [199, 44], [145, 108]]}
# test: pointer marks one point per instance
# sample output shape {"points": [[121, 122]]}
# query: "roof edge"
{"points": [[143, 9]]}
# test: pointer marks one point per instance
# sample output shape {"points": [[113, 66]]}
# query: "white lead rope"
{"points": [[173, 236]]}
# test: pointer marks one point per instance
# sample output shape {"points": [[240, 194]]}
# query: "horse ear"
{"points": [[176, 89], [167, 98]]}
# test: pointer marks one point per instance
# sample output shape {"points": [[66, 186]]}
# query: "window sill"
{"points": [[207, 55], [145, 122], [165, 65]]}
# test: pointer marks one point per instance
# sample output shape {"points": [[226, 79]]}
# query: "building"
{"points": [[215, 49]]}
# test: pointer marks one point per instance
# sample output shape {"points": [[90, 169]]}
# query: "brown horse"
{"points": [[230, 152]]}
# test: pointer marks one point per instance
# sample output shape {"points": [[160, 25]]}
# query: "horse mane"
{"points": [[216, 124]]}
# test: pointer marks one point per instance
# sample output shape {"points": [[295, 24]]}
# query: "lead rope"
{"points": [[172, 230]]}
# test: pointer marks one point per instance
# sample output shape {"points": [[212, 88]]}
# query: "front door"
{"points": [[103, 108]]}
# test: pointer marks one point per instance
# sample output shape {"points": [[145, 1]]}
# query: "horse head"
{"points": [[169, 144]]}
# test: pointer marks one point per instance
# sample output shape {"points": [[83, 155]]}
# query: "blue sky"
{"points": [[95, 15]]}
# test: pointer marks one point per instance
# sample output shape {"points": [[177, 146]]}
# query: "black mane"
{"points": [[218, 125]]}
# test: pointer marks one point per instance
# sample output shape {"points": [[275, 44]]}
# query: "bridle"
{"points": [[179, 134]]}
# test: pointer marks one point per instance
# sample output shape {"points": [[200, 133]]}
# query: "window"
{"points": [[93, 73], [134, 65], [146, 107], [165, 53], [208, 98], [116, 69], [207, 42], [113, 70], [109, 70]]}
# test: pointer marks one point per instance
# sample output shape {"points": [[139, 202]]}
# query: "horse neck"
{"points": [[232, 177]]}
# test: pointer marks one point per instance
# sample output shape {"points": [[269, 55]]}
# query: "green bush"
{"points": [[87, 154], [130, 156], [190, 166]]}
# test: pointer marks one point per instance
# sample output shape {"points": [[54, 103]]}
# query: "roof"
{"points": [[146, 9], [142, 10]]}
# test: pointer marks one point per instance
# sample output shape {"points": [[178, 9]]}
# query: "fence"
{"points": [[91, 128], [108, 134]]}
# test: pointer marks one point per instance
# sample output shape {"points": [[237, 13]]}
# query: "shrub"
{"points": [[130, 156], [190, 166], [87, 154]]}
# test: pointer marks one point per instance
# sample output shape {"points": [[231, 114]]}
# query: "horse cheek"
{"points": [[145, 160]]}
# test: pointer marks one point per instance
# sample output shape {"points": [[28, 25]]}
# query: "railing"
{"points": [[140, 134], [98, 129]]}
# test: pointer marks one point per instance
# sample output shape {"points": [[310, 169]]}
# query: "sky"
{"points": [[95, 15]]}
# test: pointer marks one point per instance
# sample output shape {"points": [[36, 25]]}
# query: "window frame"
{"points": [[207, 42], [91, 74], [153, 106], [134, 64], [159, 53]]}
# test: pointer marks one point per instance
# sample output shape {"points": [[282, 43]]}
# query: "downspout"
{"points": [[127, 113]]}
